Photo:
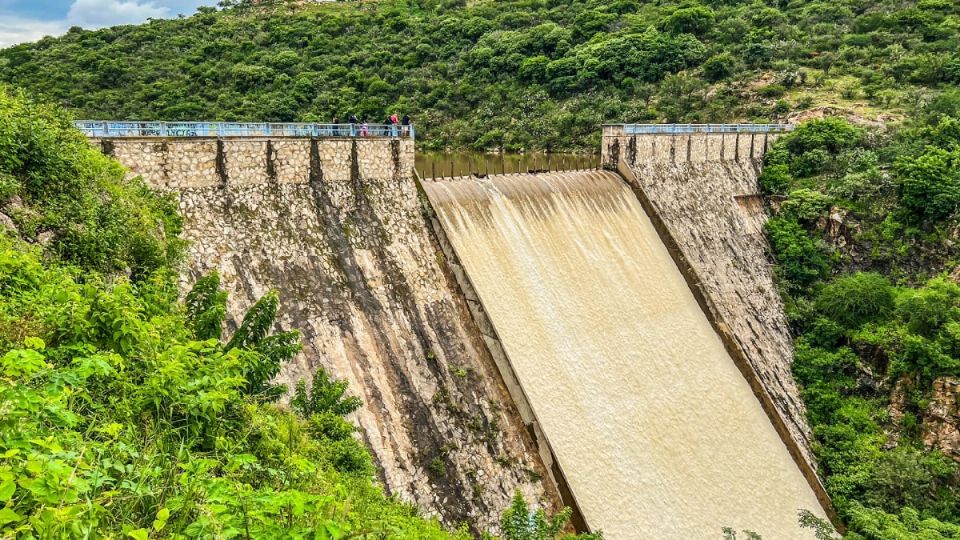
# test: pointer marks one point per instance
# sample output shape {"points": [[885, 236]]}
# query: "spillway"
{"points": [[656, 431]]}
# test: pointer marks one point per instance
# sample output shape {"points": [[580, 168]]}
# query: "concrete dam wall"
{"points": [[611, 342], [337, 227], [654, 428]]}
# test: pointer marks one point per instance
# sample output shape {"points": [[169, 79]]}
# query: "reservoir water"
{"points": [[656, 430], [440, 164]]}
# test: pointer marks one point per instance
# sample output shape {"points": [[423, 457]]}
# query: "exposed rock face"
{"points": [[704, 188], [336, 226], [941, 420], [7, 223]]}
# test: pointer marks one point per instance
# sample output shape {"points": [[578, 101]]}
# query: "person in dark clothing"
{"points": [[406, 124], [352, 120], [335, 129]]}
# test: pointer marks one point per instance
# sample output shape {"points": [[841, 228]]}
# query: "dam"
{"points": [[609, 340]]}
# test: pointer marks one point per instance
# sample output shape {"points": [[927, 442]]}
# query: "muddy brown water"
{"points": [[451, 164], [655, 429]]}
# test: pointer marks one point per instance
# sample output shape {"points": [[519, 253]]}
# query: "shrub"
{"points": [[776, 179], [718, 67], [98, 219], [519, 522], [695, 20], [772, 91], [857, 299], [800, 259], [926, 310], [805, 205], [829, 134], [930, 184]]}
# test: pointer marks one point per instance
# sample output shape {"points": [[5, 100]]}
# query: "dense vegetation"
{"points": [[864, 231], [511, 73], [125, 413]]}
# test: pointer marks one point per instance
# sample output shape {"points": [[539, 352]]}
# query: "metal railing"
{"points": [[634, 129], [98, 128]]}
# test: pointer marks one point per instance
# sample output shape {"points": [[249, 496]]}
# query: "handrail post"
{"points": [[163, 129]]}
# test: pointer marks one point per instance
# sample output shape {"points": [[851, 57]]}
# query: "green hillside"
{"points": [[513, 73], [863, 231]]}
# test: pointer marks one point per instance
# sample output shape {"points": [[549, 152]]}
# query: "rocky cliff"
{"points": [[337, 228]]}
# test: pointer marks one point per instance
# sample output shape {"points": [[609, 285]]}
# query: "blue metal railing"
{"points": [[97, 128], [633, 129]]}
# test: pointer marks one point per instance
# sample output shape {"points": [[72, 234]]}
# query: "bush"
{"points": [[930, 184], [805, 205], [772, 91], [926, 310], [857, 299], [776, 179], [800, 260], [519, 522], [696, 20], [98, 219], [829, 134], [718, 67]]}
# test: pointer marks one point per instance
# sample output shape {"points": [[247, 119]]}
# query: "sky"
{"points": [[30, 20]]}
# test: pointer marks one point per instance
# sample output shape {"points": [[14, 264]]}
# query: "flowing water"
{"points": [[440, 164], [656, 430]]}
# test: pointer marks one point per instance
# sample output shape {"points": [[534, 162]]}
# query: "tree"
{"points": [[718, 67], [271, 350], [696, 20], [519, 522]]}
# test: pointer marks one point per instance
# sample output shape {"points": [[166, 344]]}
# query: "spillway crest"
{"points": [[655, 429]]}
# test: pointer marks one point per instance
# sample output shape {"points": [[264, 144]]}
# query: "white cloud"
{"points": [[14, 30], [100, 13], [17, 27]]}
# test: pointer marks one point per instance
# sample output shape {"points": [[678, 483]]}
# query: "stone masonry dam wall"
{"points": [[336, 225], [703, 191]]}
